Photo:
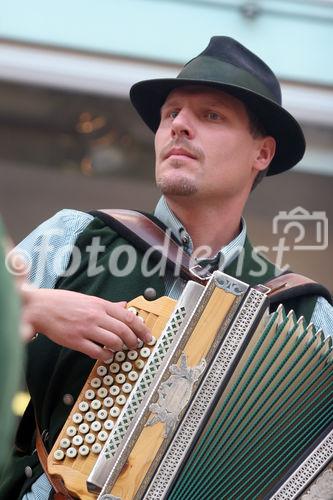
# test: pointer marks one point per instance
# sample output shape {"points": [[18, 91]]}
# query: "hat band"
{"points": [[210, 70]]}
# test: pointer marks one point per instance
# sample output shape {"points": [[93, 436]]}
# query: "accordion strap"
{"points": [[60, 490], [144, 233], [291, 285]]}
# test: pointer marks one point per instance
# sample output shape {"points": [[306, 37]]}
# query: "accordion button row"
{"points": [[105, 395], [86, 435]]}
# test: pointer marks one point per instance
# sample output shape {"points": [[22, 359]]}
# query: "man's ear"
{"points": [[265, 152]]}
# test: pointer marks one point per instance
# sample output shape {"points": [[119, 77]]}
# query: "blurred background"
{"points": [[70, 138]]}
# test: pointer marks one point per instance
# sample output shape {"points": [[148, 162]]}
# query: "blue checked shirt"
{"points": [[62, 231]]}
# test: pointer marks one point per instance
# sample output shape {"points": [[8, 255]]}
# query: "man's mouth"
{"points": [[181, 152]]}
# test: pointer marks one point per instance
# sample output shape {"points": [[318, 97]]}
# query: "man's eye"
{"points": [[173, 114], [213, 116]]}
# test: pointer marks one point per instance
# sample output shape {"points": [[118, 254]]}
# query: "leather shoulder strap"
{"points": [[144, 233], [291, 285]]}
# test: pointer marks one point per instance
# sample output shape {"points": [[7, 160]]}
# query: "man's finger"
{"points": [[132, 321], [114, 326], [94, 351], [110, 339]]}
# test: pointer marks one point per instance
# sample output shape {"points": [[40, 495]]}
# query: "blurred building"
{"points": [[69, 137]]}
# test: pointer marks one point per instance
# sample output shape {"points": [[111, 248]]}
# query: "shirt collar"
{"points": [[227, 253]]}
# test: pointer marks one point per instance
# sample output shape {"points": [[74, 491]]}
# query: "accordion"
{"points": [[228, 401]]}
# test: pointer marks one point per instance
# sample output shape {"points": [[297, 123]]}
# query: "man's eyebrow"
{"points": [[171, 102], [217, 102]]}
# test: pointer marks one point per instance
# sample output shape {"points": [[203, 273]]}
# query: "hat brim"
{"points": [[148, 96]]}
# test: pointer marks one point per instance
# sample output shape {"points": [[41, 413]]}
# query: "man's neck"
{"points": [[213, 226]]}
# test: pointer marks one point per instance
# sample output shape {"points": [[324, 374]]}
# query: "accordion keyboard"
{"points": [[109, 386], [101, 400]]}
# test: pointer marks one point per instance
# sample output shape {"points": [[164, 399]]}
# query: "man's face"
{"points": [[204, 148]]}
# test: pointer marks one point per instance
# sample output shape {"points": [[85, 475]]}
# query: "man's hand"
{"points": [[84, 323]]}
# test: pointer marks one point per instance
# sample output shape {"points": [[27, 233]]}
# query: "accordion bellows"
{"points": [[230, 403]]}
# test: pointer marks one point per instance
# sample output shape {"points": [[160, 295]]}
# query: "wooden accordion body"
{"points": [[229, 403]]}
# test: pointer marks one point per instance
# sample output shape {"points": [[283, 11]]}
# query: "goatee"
{"points": [[176, 187]]}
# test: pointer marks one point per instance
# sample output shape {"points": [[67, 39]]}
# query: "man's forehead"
{"points": [[204, 93]]}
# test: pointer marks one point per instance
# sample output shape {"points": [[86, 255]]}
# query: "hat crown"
{"points": [[227, 61]]}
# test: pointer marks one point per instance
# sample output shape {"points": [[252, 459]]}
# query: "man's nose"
{"points": [[182, 125]]}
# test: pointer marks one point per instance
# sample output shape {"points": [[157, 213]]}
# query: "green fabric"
{"points": [[54, 371], [10, 352]]}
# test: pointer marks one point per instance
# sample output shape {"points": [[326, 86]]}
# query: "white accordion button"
{"points": [[120, 378], [132, 355], [145, 352], [77, 440], [152, 342], [95, 382], [102, 414], [127, 388], [102, 436], [96, 426], [114, 412], [58, 455], [126, 366], [95, 404], [102, 370], [71, 431], [89, 438], [140, 343], [84, 450], [96, 448], [71, 452], [84, 428], [121, 400], [108, 380], [133, 310], [139, 363], [114, 367], [64, 443], [89, 394], [108, 425], [90, 416], [83, 406], [120, 356], [102, 392], [108, 402], [133, 376], [77, 418], [114, 390]]}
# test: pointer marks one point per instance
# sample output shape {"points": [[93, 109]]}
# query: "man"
{"points": [[219, 128]]}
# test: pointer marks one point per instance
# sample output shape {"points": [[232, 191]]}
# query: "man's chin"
{"points": [[180, 188]]}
